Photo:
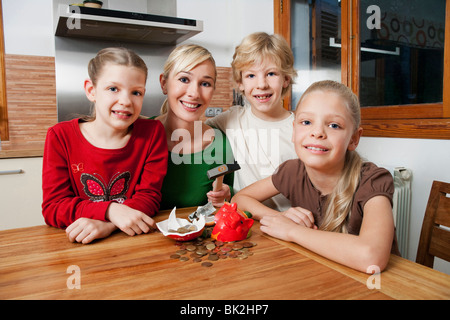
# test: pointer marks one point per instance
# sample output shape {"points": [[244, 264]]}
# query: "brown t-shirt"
{"points": [[293, 182]]}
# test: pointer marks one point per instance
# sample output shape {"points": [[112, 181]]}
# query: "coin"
{"points": [[198, 242], [191, 247], [213, 257], [237, 246], [202, 252], [206, 264], [247, 244], [213, 249]]}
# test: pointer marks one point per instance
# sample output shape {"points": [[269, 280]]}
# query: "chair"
{"points": [[435, 240]]}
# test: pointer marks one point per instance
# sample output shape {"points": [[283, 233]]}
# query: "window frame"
{"points": [[423, 121]]}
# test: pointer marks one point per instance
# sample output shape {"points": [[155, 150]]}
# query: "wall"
{"points": [[31, 97], [226, 22], [428, 159]]}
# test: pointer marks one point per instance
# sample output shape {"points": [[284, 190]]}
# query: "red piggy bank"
{"points": [[231, 224]]}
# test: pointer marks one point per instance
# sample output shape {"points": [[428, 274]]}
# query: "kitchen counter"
{"points": [[21, 150]]}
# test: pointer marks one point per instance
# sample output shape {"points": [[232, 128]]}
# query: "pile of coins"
{"points": [[185, 229], [209, 251]]}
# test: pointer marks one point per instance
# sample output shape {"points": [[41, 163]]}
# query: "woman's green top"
{"points": [[186, 182]]}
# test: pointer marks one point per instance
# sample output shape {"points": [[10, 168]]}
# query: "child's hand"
{"points": [[86, 230], [278, 226], [300, 216], [217, 198], [129, 220]]}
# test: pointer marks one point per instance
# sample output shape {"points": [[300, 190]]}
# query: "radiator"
{"points": [[402, 206]]}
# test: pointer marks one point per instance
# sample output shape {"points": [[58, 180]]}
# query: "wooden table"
{"points": [[35, 264]]}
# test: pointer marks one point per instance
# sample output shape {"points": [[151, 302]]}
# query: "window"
{"points": [[400, 77]]}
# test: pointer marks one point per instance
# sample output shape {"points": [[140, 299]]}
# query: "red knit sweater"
{"points": [[80, 180]]}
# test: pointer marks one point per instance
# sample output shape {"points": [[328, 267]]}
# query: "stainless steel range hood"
{"points": [[106, 24]]}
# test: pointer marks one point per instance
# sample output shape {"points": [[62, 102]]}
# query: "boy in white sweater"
{"points": [[260, 132]]}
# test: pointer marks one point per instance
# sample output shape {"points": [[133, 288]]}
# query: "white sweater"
{"points": [[258, 146]]}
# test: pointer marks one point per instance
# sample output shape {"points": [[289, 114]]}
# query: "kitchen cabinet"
{"points": [[20, 192]]}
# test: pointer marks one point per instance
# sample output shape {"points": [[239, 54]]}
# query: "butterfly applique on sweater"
{"points": [[97, 190]]}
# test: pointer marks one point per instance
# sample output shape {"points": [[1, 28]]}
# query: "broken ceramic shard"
{"points": [[181, 229]]}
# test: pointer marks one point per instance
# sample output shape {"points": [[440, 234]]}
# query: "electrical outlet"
{"points": [[213, 111]]}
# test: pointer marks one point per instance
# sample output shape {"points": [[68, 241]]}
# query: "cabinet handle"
{"points": [[4, 172]]}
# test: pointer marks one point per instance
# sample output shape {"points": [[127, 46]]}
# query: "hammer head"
{"points": [[221, 170]]}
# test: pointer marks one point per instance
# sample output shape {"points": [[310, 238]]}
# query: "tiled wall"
{"points": [[30, 96]]}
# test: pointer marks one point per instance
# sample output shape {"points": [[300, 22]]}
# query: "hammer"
{"points": [[219, 172]]}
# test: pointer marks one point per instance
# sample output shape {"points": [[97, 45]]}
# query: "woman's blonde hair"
{"points": [[113, 55], [260, 46], [340, 201], [185, 58]]}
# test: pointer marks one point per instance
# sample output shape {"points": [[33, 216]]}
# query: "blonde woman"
{"points": [[341, 206], [188, 80]]}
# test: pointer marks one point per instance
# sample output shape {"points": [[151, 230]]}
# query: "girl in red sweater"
{"points": [[106, 171]]}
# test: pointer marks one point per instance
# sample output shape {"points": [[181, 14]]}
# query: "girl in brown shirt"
{"points": [[341, 206]]}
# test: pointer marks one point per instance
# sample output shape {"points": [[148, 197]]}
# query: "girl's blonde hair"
{"points": [[118, 56], [113, 55], [339, 202], [185, 58], [260, 46]]}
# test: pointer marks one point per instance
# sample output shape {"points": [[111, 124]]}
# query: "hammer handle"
{"points": [[218, 185]]}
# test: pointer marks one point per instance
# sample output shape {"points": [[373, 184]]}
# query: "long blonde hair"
{"points": [[260, 46], [340, 201], [185, 58]]}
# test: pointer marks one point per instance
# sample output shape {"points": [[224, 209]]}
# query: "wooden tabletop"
{"points": [[39, 262]]}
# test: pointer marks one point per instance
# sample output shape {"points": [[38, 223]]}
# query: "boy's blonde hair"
{"points": [[339, 202], [259, 46], [185, 58]]}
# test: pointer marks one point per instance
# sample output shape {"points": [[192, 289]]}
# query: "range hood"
{"points": [[124, 26]]}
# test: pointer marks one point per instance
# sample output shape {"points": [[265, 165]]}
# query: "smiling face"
{"points": [[262, 85], [323, 131], [118, 95], [189, 93]]}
